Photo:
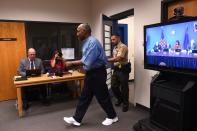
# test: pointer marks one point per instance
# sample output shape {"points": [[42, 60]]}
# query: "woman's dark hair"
{"points": [[177, 41], [59, 53]]}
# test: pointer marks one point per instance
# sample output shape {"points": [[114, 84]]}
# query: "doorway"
{"points": [[123, 23], [126, 31]]}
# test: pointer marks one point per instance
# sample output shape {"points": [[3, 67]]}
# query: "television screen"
{"points": [[171, 46]]}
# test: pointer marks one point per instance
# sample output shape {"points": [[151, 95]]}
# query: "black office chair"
{"points": [[55, 90]]}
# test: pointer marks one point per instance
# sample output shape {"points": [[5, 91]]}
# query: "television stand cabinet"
{"points": [[173, 100]]}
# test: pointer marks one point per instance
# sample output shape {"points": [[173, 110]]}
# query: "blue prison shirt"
{"points": [[93, 54]]}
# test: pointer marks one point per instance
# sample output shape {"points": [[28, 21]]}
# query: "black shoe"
{"points": [[125, 108], [118, 103], [26, 106]]}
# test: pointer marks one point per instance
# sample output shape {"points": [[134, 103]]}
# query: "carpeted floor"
{"points": [[49, 118]]}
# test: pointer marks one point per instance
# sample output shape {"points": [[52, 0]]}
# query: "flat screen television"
{"points": [[171, 46]]}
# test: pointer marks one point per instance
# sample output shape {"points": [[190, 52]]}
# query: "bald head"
{"points": [[85, 27], [83, 31], [31, 53]]}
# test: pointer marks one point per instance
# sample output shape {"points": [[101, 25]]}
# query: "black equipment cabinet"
{"points": [[172, 103]]}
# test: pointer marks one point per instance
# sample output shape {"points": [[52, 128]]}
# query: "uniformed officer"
{"points": [[121, 74]]}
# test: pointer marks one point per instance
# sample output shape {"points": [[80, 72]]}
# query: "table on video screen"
{"points": [[44, 79], [178, 61]]}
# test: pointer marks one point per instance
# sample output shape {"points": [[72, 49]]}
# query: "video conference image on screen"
{"points": [[172, 45]]}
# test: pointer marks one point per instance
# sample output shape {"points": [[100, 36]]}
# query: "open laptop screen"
{"points": [[35, 72]]}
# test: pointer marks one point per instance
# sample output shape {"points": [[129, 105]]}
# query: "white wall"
{"points": [[90, 11], [46, 10], [145, 12]]}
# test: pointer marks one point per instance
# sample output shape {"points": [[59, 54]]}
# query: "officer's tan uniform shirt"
{"points": [[121, 50]]}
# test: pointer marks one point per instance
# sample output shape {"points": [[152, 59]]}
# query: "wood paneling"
{"points": [[10, 52], [190, 7]]}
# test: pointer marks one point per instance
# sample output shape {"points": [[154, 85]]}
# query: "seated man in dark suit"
{"points": [[167, 47], [192, 46], [157, 47], [30, 63]]}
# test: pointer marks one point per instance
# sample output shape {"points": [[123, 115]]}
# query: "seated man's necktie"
{"points": [[31, 65]]}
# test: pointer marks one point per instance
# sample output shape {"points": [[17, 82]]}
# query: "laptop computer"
{"points": [[166, 50], [177, 50], [34, 72]]}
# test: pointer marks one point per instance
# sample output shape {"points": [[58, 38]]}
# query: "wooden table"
{"points": [[44, 79]]}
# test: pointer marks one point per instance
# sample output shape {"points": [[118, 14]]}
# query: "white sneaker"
{"points": [[108, 121], [71, 120]]}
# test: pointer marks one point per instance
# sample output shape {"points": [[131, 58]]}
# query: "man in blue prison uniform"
{"points": [[93, 61]]}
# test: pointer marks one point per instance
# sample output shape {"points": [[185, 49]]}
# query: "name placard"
{"points": [[8, 39]]}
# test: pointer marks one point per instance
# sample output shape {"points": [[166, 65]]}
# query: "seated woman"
{"points": [[57, 64], [177, 46], [57, 69]]}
